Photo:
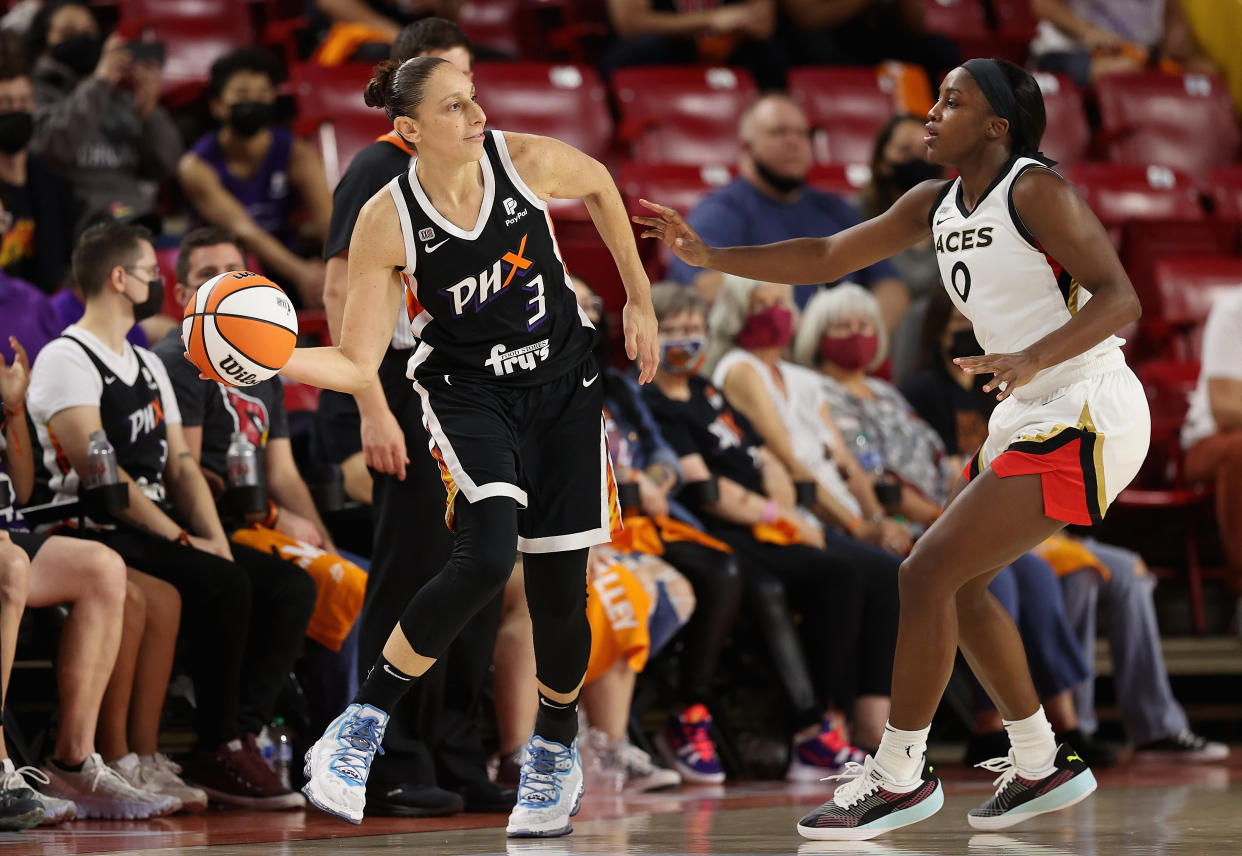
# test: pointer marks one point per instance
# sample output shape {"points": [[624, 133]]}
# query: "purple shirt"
{"points": [[27, 313], [70, 310], [265, 195]]}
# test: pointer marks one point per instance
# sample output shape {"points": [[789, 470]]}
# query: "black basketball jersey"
{"points": [[132, 416], [493, 304]]}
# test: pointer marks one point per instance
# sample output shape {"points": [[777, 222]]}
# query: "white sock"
{"points": [[901, 753], [1034, 745]]}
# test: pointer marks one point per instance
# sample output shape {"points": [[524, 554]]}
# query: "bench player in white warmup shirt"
{"points": [[1023, 257]]}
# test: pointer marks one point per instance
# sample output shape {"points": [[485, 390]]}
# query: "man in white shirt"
{"points": [[1212, 435], [91, 379]]}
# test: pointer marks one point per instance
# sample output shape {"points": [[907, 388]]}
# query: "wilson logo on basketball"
{"points": [[236, 372]]}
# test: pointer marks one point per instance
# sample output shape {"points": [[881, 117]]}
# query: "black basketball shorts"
{"points": [[544, 446]]}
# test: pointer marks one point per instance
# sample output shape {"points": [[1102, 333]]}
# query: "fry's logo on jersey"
{"points": [[967, 239], [474, 292], [504, 362]]}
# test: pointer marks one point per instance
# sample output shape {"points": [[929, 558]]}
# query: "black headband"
{"points": [[995, 86]]}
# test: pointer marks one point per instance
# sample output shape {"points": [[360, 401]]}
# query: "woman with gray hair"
{"points": [[751, 324], [842, 337]]}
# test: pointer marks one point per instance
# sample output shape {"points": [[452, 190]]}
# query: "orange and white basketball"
{"points": [[239, 328]]}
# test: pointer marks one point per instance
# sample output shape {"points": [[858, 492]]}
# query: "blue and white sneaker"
{"points": [[1018, 798], [338, 764], [550, 791]]}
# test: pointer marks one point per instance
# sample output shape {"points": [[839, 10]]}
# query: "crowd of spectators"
{"points": [[793, 446]]}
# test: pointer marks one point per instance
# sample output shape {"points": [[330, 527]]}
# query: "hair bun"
{"points": [[375, 95]]}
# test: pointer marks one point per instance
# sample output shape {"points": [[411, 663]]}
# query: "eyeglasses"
{"points": [[153, 271]]}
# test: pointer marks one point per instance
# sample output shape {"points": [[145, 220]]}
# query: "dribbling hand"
{"points": [[671, 228], [1009, 371]]}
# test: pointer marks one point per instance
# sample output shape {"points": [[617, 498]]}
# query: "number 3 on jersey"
{"points": [[961, 280], [537, 302]]}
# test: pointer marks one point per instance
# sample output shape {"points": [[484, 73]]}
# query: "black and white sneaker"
{"points": [[1185, 745], [1018, 799], [869, 804]]}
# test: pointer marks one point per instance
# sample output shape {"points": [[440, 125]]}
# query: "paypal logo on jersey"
{"points": [[511, 205], [474, 292]]}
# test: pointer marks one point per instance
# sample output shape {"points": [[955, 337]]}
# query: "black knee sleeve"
{"points": [[484, 550], [556, 596]]}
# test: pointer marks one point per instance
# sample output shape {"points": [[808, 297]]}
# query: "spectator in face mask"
{"points": [[769, 201], [248, 175], [38, 210], [97, 118], [897, 165]]}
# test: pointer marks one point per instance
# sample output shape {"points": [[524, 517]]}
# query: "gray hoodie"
{"points": [[88, 130]]}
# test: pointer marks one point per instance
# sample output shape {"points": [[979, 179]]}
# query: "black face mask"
{"points": [[913, 172], [153, 303], [965, 345], [247, 118], [80, 53], [16, 128], [780, 183]]}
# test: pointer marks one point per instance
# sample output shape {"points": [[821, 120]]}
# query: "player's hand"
{"points": [[15, 378], [671, 228], [298, 527], [383, 444], [642, 338], [1009, 371]]}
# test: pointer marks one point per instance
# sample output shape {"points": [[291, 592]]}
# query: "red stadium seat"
{"points": [[1068, 135], [1188, 288], [1225, 183], [332, 114], [498, 24], [684, 107], [1184, 122], [679, 186], [844, 180], [568, 102], [962, 21], [846, 106], [1160, 487], [152, 10], [331, 93], [1151, 212], [192, 45]]}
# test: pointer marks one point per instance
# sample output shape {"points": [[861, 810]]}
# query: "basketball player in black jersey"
{"points": [[511, 402]]}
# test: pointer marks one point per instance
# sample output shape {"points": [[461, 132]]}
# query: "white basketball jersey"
{"points": [[997, 274]]}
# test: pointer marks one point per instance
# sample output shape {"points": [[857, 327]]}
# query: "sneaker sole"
{"points": [[688, 775], [97, 808], [1071, 793], [510, 832], [895, 820], [323, 803], [18, 822], [654, 782], [281, 802]]}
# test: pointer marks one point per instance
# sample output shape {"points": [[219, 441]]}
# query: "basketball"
{"points": [[239, 328]]}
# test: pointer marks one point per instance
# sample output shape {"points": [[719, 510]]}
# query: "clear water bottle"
{"points": [[264, 741], [869, 457], [242, 461], [282, 749], [100, 461]]}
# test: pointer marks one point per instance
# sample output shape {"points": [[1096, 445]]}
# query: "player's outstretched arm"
{"points": [[554, 169], [1068, 231], [372, 302], [802, 261]]}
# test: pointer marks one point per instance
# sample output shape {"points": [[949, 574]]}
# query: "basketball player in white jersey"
{"points": [[1023, 257]]}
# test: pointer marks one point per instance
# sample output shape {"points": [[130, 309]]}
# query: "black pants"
{"points": [[847, 595], [432, 735], [243, 623], [717, 583]]}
